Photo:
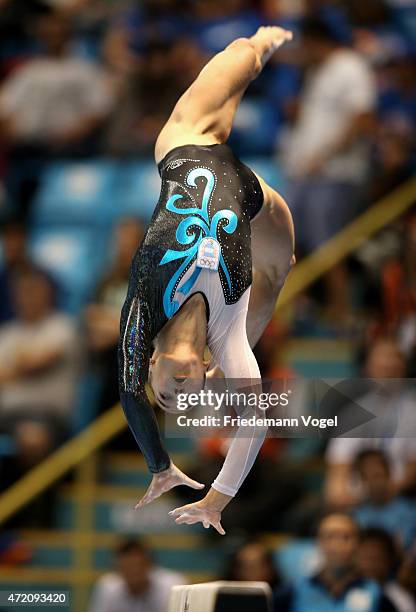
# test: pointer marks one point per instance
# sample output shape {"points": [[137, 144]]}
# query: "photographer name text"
{"points": [[256, 421]]}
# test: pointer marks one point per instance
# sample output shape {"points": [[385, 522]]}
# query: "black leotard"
{"points": [[206, 191]]}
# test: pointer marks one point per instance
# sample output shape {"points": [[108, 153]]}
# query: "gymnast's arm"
{"points": [[237, 362]]}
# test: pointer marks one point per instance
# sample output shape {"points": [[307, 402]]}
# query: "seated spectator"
{"points": [[377, 559], [14, 258], [338, 585], [53, 105], [13, 551], [137, 585], [381, 506], [253, 561], [102, 317], [55, 100], [392, 405], [38, 358], [33, 440], [406, 574]]}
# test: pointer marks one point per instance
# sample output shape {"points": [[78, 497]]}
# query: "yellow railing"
{"points": [[348, 240]]}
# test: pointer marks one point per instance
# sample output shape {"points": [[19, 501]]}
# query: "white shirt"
{"points": [[110, 593], [53, 389], [400, 449], [335, 92], [49, 95], [401, 598]]}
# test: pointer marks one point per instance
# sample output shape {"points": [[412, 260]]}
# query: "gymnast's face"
{"points": [[172, 374]]}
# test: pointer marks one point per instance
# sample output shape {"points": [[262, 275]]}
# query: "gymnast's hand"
{"points": [[164, 481], [198, 512], [206, 511]]}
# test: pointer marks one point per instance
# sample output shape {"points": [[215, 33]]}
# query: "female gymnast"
{"points": [[208, 272]]}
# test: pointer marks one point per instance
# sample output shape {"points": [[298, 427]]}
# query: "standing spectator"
{"points": [[38, 357], [136, 585], [377, 559], [325, 153], [338, 586], [381, 506]]}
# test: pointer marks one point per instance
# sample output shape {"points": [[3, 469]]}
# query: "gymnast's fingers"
{"points": [[217, 525], [187, 518], [178, 511]]}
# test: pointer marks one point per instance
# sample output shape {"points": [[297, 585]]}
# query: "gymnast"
{"points": [[207, 273]]}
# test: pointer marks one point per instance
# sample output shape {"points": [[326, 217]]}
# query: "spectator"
{"points": [[102, 317], [392, 405], [148, 94], [396, 126], [325, 153], [33, 440], [137, 585], [38, 357], [406, 574], [381, 506], [52, 105], [378, 559], [14, 259], [56, 100], [13, 551], [338, 585], [253, 561]]}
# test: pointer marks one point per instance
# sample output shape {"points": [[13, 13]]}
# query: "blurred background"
{"points": [[85, 87]]}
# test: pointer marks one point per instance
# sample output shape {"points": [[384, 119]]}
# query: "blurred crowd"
{"points": [[336, 110], [354, 567]]}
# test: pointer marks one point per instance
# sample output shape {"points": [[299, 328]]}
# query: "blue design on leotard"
{"points": [[199, 218]]}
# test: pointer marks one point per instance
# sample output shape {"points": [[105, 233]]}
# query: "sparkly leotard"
{"points": [[206, 191]]}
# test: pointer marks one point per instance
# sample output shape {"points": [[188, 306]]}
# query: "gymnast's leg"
{"points": [[272, 247], [204, 113]]}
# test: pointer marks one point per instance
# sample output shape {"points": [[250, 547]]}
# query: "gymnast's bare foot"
{"points": [[164, 481], [268, 39]]}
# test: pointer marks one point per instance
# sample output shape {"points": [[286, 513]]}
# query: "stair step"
{"points": [[113, 510], [49, 556], [180, 552], [66, 538], [320, 358], [44, 579]]}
